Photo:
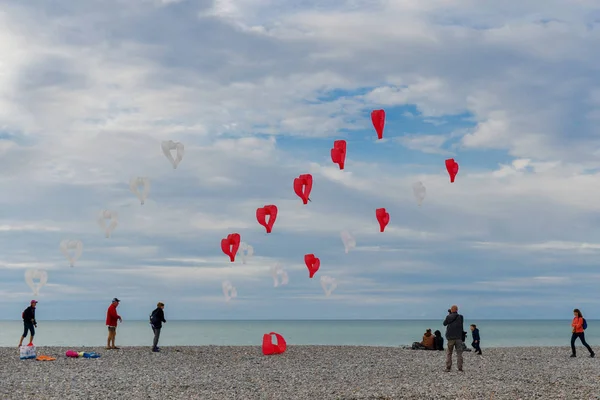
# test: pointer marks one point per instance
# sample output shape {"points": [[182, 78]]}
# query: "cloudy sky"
{"points": [[257, 91]]}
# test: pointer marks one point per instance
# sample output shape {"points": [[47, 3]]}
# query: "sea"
{"points": [[494, 333]]}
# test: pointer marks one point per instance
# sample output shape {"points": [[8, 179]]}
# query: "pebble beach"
{"points": [[302, 372]]}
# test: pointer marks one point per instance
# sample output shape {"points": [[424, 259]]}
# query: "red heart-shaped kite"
{"points": [[303, 186], [312, 263], [263, 212], [338, 153], [268, 348], [383, 217], [452, 168], [378, 119], [230, 245]]}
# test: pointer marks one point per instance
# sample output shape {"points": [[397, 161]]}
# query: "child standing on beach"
{"points": [[476, 339], [29, 323]]}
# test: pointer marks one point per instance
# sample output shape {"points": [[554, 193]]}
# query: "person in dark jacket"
{"points": [[476, 339], [454, 334], [29, 323], [438, 341], [156, 319]]}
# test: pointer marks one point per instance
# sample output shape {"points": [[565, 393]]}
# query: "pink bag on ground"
{"points": [[72, 353]]}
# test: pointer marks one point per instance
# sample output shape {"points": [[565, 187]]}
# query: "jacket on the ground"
{"points": [[454, 326], [438, 341], [475, 334], [428, 340], [112, 316], [577, 325], [157, 317], [29, 315]]}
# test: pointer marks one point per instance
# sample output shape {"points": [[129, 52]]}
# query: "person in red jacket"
{"points": [[111, 321], [578, 329]]}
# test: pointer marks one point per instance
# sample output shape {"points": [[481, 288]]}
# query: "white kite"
{"points": [[140, 187], [280, 276], [229, 291], [75, 246], [328, 284], [419, 191], [348, 240], [40, 275], [170, 145], [246, 252], [108, 221]]}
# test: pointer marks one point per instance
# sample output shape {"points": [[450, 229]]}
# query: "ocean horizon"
{"points": [[371, 332]]}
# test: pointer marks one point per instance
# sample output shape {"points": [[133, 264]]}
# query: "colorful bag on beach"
{"points": [[72, 354], [27, 352], [268, 348]]}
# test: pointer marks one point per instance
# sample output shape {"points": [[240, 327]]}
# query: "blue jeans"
{"points": [[28, 326]]}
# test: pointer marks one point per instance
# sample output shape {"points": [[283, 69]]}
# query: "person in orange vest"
{"points": [[111, 321], [579, 324]]}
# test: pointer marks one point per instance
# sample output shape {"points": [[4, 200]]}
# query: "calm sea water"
{"points": [[494, 333]]}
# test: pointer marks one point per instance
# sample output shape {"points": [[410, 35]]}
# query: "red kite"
{"points": [[378, 119], [312, 263], [303, 186], [263, 212], [230, 245], [452, 168], [338, 153], [383, 217]]}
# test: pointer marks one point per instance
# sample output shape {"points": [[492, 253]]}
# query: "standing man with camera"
{"points": [[454, 334]]}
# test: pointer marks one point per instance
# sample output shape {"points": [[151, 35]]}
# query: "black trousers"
{"points": [[156, 337], [476, 347], [581, 336]]}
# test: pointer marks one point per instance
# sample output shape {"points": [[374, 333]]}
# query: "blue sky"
{"points": [[258, 90]]}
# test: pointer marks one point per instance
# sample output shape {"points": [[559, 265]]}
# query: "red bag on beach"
{"points": [[268, 348]]}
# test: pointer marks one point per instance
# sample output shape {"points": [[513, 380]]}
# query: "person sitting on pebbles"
{"points": [[427, 343], [438, 341]]}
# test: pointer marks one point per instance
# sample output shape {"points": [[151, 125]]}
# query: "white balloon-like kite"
{"points": [[280, 276], [75, 246], [170, 145], [348, 240], [246, 252], [419, 192], [328, 284], [229, 291], [141, 193], [108, 221], [40, 275]]}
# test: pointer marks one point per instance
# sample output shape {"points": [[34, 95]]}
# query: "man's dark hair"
{"points": [[474, 326]]}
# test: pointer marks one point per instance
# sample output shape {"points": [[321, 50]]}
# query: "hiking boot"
{"points": [[156, 350], [573, 355], [460, 370], [592, 355]]}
